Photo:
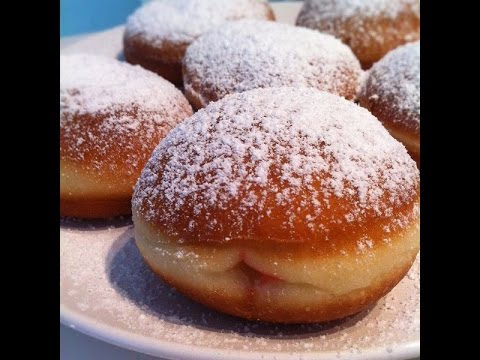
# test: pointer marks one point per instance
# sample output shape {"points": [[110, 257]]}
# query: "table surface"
{"points": [[72, 341]]}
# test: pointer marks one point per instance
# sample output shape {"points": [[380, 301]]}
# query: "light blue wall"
{"points": [[81, 16]]}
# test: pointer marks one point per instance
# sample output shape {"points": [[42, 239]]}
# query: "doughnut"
{"points": [[112, 116], [370, 27], [158, 33], [250, 54], [391, 91], [287, 205]]}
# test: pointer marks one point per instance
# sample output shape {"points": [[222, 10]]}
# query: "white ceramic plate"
{"points": [[106, 291]]}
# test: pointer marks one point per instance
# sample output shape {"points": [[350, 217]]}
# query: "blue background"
{"points": [[82, 16]]}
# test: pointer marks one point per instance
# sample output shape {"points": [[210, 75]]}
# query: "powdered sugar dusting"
{"points": [[125, 101], [395, 82], [369, 27], [297, 149], [92, 84], [364, 244], [104, 278], [268, 54], [182, 21], [318, 10]]}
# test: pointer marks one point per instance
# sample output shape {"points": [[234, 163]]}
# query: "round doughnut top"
{"points": [[370, 27], [182, 21], [92, 83], [321, 10], [107, 104], [279, 165], [269, 54], [393, 87]]}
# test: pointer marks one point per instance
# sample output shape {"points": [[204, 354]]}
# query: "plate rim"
{"points": [[171, 350]]}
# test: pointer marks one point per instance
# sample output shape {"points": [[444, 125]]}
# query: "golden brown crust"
{"points": [[100, 182], [270, 229], [286, 311], [367, 49], [394, 121], [391, 92], [165, 57], [200, 94], [108, 131], [370, 33], [164, 60], [104, 151], [322, 286], [286, 205], [174, 196], [407, 138], [212, 68], [384, 108]]}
